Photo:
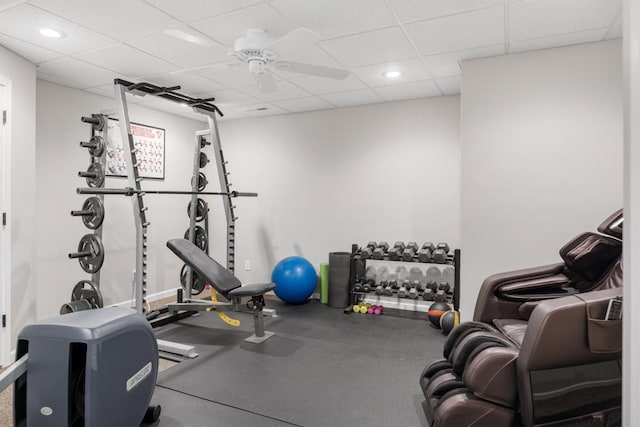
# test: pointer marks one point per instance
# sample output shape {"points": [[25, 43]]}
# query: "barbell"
{"points": [[128, 191]]}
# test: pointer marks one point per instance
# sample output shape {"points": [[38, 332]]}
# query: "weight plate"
{"points": [[87, 290], [201, 210], [93, 244], [197, 282], [72, 307], [201, 239], [97, 180], [203, 159], [96, 206], [202, 181], [98, 148]]}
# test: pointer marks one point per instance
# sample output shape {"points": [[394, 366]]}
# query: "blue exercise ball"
{"points": [[295, 279]]}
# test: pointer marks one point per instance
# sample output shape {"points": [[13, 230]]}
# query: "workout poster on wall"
{"points": [[148, 140]]}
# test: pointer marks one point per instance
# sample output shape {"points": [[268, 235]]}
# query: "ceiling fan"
{"points": [[260, 53]]}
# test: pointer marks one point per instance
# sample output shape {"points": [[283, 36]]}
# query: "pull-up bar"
{"points": [[128, 191]]}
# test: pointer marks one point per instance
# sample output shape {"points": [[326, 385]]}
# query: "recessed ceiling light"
{"points": [[391, 74], [51, 33]]}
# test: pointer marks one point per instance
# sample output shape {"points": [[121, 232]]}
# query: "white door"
{"points": [[5, 236]]}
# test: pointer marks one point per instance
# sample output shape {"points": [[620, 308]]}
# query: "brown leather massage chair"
{"points": [[539, 351]]}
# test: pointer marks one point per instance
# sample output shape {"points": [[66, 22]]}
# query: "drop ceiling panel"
{"points": [[259, 110], [24, 21], [197, 10], [5, 4], [335, 18], [310, 55], [190, 83], [408, 90], [231, 26], [372, 47], [448, 64], [126, 60], [321, 86], [232, 74], [285, 90], [29, 51], [120, 19], [418, 10], [308, 103], [449, 85], [72, 69], [543, 18], [458, 32], [178, 51], [59, 80], [229, 98], [559, 40], [411, 70], [355, 97]]}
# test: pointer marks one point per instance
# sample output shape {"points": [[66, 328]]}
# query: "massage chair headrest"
{"points": [[612, 226], [591, 254]]}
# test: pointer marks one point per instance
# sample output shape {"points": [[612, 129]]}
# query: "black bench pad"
{"points": [[213, 273]]}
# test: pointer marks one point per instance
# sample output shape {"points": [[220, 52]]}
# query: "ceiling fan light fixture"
{"points": [[51, 33], [392, 74]]}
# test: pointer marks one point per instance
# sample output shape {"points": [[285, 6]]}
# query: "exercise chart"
{"points": [[148, 140]]}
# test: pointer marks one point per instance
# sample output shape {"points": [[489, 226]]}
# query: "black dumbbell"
{"points": [[428, 245], [372, 245], [439, 255], [408, 254], [427, 295], [368, 285], [444, 286], [381, 286], [395, 253], [378, 253], [357, 287], [387, 290], [441, 296], [384, 246], [424, 255], [366, 253], [415, 289], [433, 285], [394, 284], [403, 292]]}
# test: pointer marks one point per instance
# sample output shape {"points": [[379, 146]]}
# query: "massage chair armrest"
{"points": [[567, 332], [522, 285]]}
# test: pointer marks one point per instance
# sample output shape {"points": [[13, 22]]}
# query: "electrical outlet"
{"points": [[247, 265]]}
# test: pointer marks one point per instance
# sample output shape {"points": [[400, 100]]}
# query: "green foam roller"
{"points": [[324, 283]]}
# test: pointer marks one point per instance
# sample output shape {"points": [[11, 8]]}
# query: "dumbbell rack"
{"points": [[358, 263]]}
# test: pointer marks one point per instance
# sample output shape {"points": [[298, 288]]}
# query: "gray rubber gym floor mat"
{"points": [[322, 368]]}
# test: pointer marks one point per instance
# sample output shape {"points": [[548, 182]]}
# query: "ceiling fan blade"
{"points": [[265, 82], [293, 41], [314, 70]]}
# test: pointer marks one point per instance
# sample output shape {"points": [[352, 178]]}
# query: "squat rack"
{"points": [[199, 105]]}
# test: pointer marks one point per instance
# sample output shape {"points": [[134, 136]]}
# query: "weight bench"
{"points": [[225, 283]]}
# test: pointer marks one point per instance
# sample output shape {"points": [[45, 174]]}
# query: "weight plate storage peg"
{"points": [[197, 282], [201, 210], [97, 121], [87, 290], [92, 213], [94, 175], [95, 145], [201, 239], [90, 253]]}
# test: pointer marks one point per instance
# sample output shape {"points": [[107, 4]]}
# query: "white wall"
{"points": [[327, 179], [59, 158], [22, 190], [541, 136]]}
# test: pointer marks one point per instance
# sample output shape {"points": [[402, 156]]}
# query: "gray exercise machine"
{"points": [[93, 368]]}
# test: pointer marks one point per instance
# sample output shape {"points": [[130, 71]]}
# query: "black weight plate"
{"points": [[201, 210], [97, 169], [202, 181], [201, 239], [93, 244], [87, 290], [203, 160], [73, 306], [96, 206], [99, 146], [197, 282]]}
